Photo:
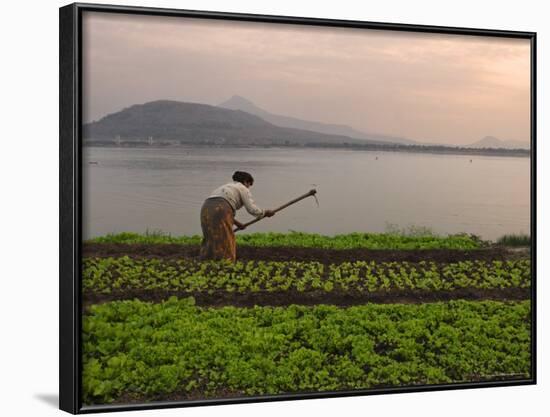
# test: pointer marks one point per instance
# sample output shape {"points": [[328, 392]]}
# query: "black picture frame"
{"points": [[70, 181]]}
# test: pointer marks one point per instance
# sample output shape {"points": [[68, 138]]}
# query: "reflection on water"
{"points": [[163, 189]]}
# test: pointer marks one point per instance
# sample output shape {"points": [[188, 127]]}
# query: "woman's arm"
{"points": [[249, 204]]}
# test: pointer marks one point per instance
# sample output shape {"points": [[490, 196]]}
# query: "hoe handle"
{"points": [[308, 194]]}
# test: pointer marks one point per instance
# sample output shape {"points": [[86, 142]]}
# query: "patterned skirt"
{"points": [[218, 241]]}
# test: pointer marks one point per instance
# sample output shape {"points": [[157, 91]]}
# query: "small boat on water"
{"points": [[93, 162]]}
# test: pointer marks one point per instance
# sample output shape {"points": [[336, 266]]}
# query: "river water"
{"points": [[162, 189]]}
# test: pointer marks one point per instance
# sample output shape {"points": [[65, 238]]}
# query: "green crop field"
{"points": [[310, 240], [150, 350], [105, 275], [141, 343]]}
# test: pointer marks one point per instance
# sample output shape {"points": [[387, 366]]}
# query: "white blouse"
{"points": [[238, 195]]}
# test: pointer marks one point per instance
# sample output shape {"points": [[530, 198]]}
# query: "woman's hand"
{"points": [[240, 226], [269, 213]]}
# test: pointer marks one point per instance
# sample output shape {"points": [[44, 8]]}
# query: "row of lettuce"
{"points": [[108, 275], [310, 240], [142, 351]]}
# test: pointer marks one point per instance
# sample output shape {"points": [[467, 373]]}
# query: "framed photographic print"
{"points": [[260, 208]]}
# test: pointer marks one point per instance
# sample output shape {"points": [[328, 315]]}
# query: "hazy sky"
{"points": [[434, 88]]}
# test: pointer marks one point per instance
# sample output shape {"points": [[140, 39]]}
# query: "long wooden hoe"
{"points": [[309, 193]]}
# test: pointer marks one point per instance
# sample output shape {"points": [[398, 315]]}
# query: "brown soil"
{"points": [[195, 395], [301, 254], [285, 298], [226, 393]]}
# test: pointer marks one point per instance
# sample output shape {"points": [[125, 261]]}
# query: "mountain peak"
{"points": [[496, 143], [237, 102], [195, 123], [238, 99]]}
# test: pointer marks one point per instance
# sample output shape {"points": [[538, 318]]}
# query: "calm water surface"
{"points": [[163, 189]]}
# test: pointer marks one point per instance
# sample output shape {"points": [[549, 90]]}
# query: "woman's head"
{"points": [[243, 177]]}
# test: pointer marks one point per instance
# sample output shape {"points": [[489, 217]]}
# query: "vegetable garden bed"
{"points": [[310, 240], [139, 352], [299, 313], [280, 283]]}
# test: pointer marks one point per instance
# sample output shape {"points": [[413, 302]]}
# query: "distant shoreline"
{"points": [[440, 150]]}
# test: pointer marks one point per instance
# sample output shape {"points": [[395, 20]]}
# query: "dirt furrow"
{"points": [[342, 299], [302, 254]]}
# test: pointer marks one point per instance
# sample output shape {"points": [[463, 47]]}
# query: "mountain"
{"points": [[495, 143], [202, 124], [241, 103]]}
